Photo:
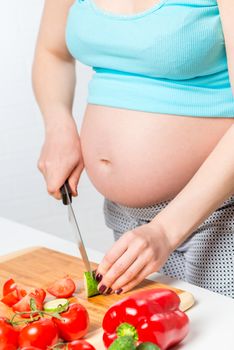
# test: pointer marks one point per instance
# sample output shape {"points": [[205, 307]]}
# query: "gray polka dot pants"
{"points": [[205, 259]]}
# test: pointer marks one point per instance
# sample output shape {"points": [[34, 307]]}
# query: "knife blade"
{"points": [[67, 200]]}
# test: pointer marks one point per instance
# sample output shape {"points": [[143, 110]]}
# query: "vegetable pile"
{"points": [[147, 320], [39, 325]]}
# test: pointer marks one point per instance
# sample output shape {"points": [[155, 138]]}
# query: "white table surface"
{"points": [[211, 319]]}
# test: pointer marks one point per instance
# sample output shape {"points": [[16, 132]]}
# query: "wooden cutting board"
{"points": [[38, 267]]}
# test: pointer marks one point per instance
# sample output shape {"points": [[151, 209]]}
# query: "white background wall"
{"points": [[23, 195]]}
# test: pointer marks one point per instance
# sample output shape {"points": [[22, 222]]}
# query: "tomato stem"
{"points": [[41, 313]]}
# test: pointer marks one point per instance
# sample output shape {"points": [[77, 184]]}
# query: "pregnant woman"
{"points": [[157, 139]]}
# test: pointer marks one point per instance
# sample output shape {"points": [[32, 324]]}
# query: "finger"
{"points": [[56, 195], [55, 178], [116, 251], [133, 270], [146, 271], [53, 188], [74, 178], [118, 268]]}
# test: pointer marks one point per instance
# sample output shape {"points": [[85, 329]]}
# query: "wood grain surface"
{"points": [[38, 267]]}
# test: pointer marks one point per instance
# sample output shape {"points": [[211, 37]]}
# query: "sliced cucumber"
{"points": [[56, 305], [90, 284]]}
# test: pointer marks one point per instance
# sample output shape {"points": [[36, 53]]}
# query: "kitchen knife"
{"points": [[67, 200]]}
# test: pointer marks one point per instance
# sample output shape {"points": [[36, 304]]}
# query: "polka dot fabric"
{"points": [[205, 259]]}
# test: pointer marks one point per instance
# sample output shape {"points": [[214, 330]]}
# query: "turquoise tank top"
{"points": [[168, 59]]}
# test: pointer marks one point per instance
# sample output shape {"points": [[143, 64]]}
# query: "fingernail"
{"points": [[109, 290], [98, 277], [102, 289], [119, 291]]}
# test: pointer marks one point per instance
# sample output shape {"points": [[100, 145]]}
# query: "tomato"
{"points": [[74, 323], [39, 294], [8, 336], [24, 304], [40, 334], [20, 292], [78, 345], [63, 288], [9, 286], [12, 293], [10, 299]]}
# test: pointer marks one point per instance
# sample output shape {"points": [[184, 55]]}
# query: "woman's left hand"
{"points": [[137, 254]]}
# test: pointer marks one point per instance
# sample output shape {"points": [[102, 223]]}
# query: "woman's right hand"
{"points": [[61, 156]]}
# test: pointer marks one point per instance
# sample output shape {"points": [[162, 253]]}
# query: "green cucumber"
{"points": [[147, 346], [123, 343], [90, 284], [56, 305]]}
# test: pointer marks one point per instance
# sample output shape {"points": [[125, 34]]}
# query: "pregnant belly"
{"points": [[138, 158]]}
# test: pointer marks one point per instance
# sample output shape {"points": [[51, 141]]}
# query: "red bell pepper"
{"points": [[148, 316]]}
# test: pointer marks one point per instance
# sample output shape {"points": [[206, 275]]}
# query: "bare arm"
{"points": [[226, 9], [209, 187], [53, 76], [214, 181]]}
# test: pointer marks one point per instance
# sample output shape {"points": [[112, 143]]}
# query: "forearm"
{"points": [[53, 81], [209, 187]]}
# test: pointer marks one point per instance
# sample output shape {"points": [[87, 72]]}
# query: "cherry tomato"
{"points": [[40, 334], [40, 293], [12, 293], [63, 288], [78, 345], [74, 323], [8, 336], [9, 286], [20, 292], [10, 299], [24, 304]]}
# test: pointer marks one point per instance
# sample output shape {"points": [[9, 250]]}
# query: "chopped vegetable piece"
{"points": [[90, 284], [63, 288], [9, 286], [12, 293], [10, 299], [57, 305], [24, 305]]}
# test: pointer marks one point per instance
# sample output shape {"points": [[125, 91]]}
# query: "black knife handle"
{"points": [[64, 193]]}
